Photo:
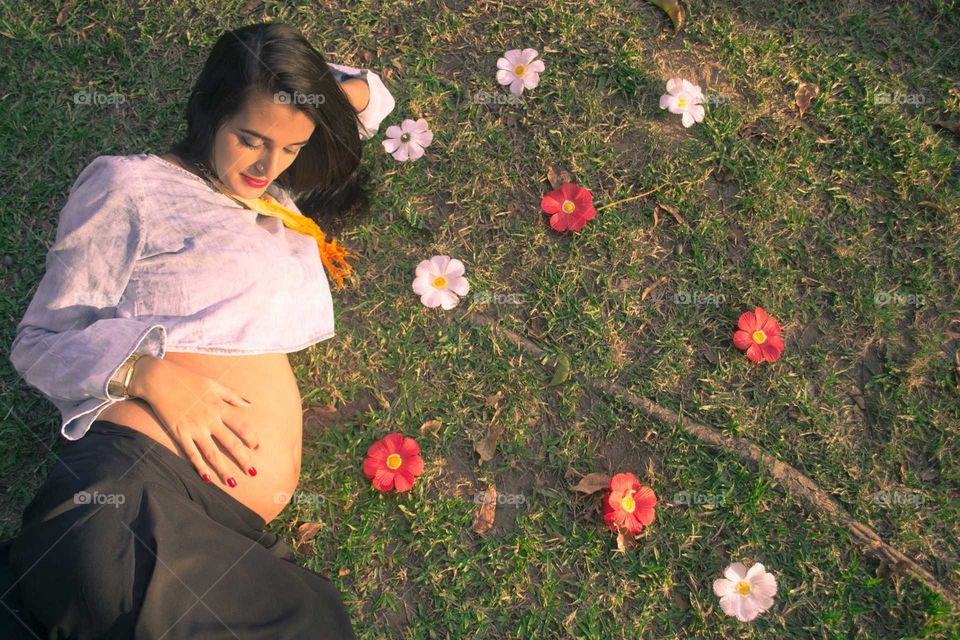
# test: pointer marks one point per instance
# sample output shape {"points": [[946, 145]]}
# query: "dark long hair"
{"points": [[325, 180]]}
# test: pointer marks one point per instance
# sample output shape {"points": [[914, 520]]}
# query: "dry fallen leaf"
{"points": [[625, 540], [558, 177], [646, 292], [592, 482], [493, 400], [806, 92], [431, 427], [672, 211], [307, 532], [487, 445], [486, 512], [674, 10], [68, 6]]}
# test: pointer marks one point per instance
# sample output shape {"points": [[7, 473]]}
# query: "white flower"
{"points": [[440, 281], [683, 97], [745, 594], [407, 141], [519, 70]]}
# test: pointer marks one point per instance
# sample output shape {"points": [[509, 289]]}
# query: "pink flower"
{"points": [[519, 70], [684, 97], [745, 593], [408, 141]]}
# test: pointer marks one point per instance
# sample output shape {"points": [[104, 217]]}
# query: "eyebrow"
{"points": [[263, 137]]}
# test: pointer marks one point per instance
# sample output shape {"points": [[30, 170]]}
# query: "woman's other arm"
{"points": [[70, 341]]}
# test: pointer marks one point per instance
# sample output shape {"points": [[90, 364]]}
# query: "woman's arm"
{"points": [[358, 92], [377, 98], [71, 340]]}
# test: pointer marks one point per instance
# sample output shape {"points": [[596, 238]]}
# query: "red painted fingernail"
{"points": [[231, 482], [252, 471], [206, 478]]}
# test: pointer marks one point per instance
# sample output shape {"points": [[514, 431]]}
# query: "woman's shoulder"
{"points": [[114, 172]]}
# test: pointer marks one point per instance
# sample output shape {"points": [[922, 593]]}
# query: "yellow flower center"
{"points": [[394, 460], [568, 206], [759, 337], [519, 70], [628, 503], [439, 282], [743, 588], [681, 102]]}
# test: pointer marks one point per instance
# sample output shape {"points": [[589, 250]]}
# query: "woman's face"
{"points": [[258, 144]]}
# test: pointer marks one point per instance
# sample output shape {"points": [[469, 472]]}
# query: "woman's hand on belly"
{"points": [[200, 413], [276, 419]]}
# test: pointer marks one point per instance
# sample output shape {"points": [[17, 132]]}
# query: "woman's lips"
{"points": [[256, 184]]}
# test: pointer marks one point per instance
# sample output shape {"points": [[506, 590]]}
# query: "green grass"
{"points": [[809, 217]]}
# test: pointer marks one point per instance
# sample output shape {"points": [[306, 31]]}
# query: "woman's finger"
{"points": [[193, 455], [235, 447], [216, 459]]}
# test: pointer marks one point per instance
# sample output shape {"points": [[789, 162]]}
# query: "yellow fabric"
{"points": [[333, 256]]}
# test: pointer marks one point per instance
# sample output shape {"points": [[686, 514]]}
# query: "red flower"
{"points": [[570, 206], [628, 504], [759, 336], [393, 463]]}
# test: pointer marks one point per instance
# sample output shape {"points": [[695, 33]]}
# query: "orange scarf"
{"points": [[330, 252]]}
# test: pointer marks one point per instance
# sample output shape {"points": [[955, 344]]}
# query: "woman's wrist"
{"points": [[144, 370]]}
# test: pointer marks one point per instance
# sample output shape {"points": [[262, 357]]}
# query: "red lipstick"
{"points": [[256, 184]]}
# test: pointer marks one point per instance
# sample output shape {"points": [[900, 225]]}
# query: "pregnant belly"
{"points": [[276, 417]]}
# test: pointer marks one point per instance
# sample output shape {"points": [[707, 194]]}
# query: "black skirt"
{"points": [[125, 540]]}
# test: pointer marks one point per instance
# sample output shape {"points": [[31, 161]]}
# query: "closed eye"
{"points": [[245, 142]]}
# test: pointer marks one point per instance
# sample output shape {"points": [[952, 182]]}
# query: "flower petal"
{"points": [[735, 572], [742, 340], [528, 56], [448, 299], [455, 268], [459, 285], [431, 299], [687, 119], [560, 221], [393, 131], [416, 151], [414, 466], [391, 144], [747, 322], [402, 480], [402, 153], [505, 77], [383, 481], [723, 587], [674, 85]]}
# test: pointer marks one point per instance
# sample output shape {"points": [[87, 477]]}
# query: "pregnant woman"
{"points": [[174, 289]]}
